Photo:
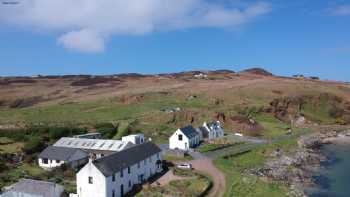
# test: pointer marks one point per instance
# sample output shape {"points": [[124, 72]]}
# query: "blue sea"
{"points": [[334, 179]]}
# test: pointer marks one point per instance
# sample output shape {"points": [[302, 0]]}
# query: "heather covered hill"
{"points": [[254, 102]]}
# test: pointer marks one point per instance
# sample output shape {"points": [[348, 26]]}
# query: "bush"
{"points": [[14, 134], [108, 130], [335, 112], [58, 132], [35, 145], [3, 167]]}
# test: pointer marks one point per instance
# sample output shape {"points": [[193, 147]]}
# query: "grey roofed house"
{"points": [[63, 154], [34, 188], [115, 162], [189, 131]]}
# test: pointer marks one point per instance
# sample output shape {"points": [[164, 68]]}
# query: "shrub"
{"points": [[108, 130], [35, 145], [56, 133], [3, 167], [335, 112]]}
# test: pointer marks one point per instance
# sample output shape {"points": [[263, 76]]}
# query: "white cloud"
{"points": [[84, 21], [84, 40], [343, 10]]}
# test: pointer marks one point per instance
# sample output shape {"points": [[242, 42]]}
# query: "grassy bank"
{"points": [[239, 182]]}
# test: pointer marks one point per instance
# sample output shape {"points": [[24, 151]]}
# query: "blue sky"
{"points": [[302, 37]]}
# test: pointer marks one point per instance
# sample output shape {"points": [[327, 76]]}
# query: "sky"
{"points": [[56, 37]]}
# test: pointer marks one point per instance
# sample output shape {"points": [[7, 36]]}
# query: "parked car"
{"points": [[187, 166]]}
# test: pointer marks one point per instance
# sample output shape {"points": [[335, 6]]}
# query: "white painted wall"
{"points": [[97, 189], [54, 164], [51, 163], [185, 143], [104, 186], [135, 139]]}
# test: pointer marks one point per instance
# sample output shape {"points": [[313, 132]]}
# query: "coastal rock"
{"points": [[310, 141]]}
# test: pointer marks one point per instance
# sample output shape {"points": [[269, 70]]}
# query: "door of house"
{"points": [[121, 190], [186, 146]]}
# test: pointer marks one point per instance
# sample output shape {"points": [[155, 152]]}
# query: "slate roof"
{"points": [[63, 153], [113, 163], [34, 187], [204, 131], [189, 131]]}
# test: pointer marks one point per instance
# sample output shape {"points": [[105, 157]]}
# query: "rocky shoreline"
{"points": [[298, 168]]}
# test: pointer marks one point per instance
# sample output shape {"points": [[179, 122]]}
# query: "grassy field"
{"points": [[9, 146], [241, 183]]}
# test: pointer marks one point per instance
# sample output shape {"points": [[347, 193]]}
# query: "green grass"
{"points": [[175, 158], [98, 111], [272, 126], [9, 146], [240, 183], [213, 147], [192, 185]]}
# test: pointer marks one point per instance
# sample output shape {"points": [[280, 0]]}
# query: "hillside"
{"points": [[253, 101]]}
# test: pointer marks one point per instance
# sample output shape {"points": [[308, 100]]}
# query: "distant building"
{"points": [[184, 138], [212, 130], [89, 136], [34, 188], [116, 174], [54, 156], [135, 138], [299, 76], [201, 76]]}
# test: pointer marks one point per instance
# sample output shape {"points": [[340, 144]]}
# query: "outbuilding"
{"points": [[184, 138], [55, 156]]}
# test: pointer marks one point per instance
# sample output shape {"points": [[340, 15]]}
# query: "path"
{"points": [[206, 166]]}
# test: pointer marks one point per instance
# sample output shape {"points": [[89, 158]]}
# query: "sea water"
{"points": [[334, 178]]}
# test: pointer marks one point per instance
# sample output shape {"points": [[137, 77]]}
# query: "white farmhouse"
{"points": [[116, 174], [184, 138], [212, 130], [54, 156]]}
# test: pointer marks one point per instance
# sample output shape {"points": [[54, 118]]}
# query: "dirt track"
{"points": [[206, 166]]}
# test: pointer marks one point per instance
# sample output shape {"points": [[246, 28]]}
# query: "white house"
{"points": [[54, 156], [135, 138], [214, 130], [184, 138], [116, 174]]}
